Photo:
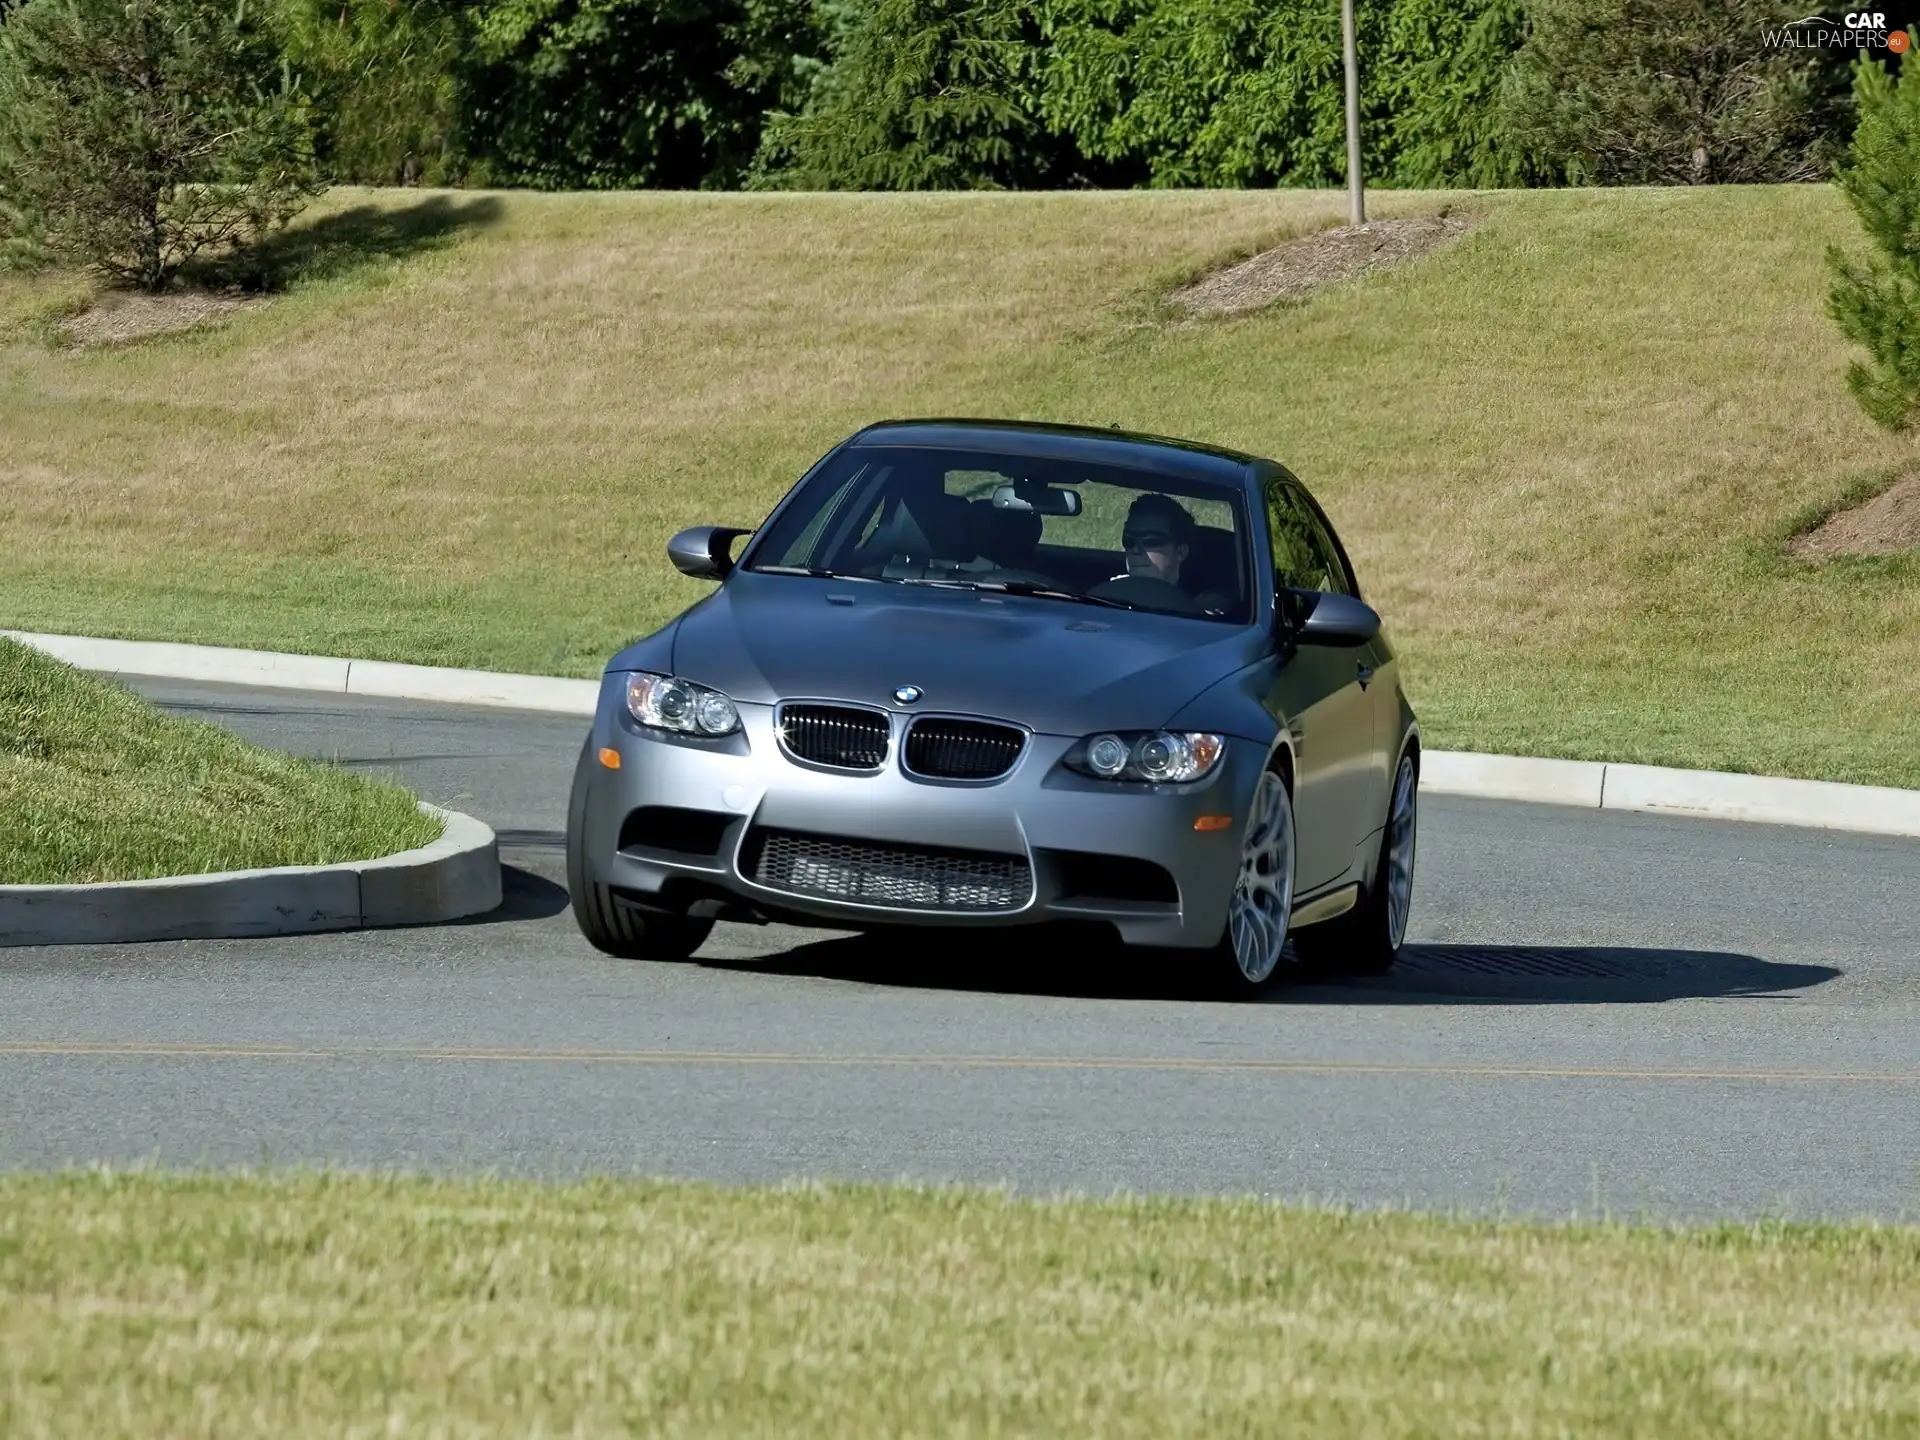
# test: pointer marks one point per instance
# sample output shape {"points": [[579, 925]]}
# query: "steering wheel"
{"points": [[1148, 593], [1011, 576]]}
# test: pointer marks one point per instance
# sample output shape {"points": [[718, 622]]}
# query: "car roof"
{"points": [[1185, 458]]}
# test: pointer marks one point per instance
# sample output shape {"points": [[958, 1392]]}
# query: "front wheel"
{"points": [[1367, 939], [1254, 946], [610, 923], [618, 928]]}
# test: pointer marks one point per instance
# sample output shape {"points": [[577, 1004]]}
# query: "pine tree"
{"points": [[136, 135], [926, 95], [1671, 92], [1876, 301]]}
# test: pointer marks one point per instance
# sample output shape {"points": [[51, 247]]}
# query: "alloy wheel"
{"points": [[1262, 904]]}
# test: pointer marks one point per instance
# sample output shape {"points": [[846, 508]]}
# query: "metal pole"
{"points": [[1356, 185]]}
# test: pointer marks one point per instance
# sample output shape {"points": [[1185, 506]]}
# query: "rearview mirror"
{"points": [[1334, 619], [1040, 499], [704, 552]]}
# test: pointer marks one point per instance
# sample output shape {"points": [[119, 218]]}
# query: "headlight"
{"points": [[667, 703], [1162, 757], [1107, 756]]}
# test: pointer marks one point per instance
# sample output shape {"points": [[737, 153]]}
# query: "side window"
{"points": [[1304, 555], [1297, 560], [1336, 571]]}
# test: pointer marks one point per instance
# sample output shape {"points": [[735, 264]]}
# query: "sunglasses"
{"points": [[1148, 540]]}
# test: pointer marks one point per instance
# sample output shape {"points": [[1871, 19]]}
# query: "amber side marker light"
{"points": [[609, 757], [1213, 822]]}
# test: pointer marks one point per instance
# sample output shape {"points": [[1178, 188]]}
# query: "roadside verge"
{"points": [[452, 878], [1593, 785]]}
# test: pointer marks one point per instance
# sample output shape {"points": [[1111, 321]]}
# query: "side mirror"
{"points": [[1334, 619], [704, 552]]}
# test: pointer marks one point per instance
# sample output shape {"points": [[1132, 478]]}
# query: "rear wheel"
{"points": [[610, 922], [1367, 939]]}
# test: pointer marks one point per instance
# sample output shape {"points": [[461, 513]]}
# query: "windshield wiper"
{"points": [[1022, 588], [1048, 592], [810, 570]]}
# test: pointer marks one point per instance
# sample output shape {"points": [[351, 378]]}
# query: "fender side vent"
{"points": [[1085, 876], [680, 832]]}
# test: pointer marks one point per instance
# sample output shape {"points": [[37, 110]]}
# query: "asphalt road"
{"points": [[1602, 1012]]}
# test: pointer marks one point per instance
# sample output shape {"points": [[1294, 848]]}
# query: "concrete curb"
{"points": [[1593, 785], [1513, 777], [318, 672], [456, 876], [1705, 794]]}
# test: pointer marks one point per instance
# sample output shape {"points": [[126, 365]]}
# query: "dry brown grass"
{"points": [[1565, 447], [588, 349]]}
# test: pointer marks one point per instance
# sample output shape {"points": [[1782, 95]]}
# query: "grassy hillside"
{"points": [[352, 1305], [96, 784], [1564, 449]]}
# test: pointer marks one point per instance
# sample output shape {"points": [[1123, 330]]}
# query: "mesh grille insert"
{"points": [[962, 749], [906, 877], [836, 735]]}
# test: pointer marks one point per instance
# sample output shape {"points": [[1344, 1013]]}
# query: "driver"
{"points": [[1158, 537]]}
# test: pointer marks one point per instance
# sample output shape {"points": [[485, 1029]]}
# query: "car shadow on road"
{"points": [[533, 867], [524, 895], [527, 895], [1427, 974], [1433, 974]]}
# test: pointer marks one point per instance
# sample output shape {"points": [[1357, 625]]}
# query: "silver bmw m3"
{"points": [[987, 674]]}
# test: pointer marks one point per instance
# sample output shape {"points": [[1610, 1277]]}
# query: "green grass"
{"points": [[1564, 449], [357, 1305], [96, 784]]}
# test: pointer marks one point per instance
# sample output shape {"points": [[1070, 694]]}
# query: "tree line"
{"points": [[911, 94], [907, 94]]}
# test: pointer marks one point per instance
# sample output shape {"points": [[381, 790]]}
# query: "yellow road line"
{"points": [[138, 1049]]}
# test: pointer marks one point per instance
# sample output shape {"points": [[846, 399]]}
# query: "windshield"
{"points": [[1064, 530]]}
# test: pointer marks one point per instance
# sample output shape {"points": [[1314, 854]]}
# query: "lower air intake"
{"points": [[900, 877]]}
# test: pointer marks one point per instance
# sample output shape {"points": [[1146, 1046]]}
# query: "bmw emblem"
{"points": [[907, 694]]}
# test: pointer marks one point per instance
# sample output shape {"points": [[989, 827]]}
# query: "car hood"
{"points": [[1060, 668]]}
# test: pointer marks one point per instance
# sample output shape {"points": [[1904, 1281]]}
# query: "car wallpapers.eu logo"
{"points": [[1854, 30]]}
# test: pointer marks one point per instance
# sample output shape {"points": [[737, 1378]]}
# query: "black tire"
{"points": [[1362, 941], [611, 923], [1351, 944], [617, 927]]}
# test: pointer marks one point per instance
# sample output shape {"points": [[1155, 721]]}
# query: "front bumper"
{"points": [[1067, 829]]}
